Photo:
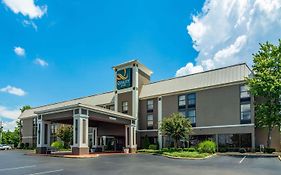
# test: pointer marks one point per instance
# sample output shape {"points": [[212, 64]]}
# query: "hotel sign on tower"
{"points": [[124, 78]]}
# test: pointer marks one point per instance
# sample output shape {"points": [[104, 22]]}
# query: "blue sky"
{"points": [[57, 50]]}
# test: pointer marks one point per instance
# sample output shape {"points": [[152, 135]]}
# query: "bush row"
{"points": [[244, 150]]}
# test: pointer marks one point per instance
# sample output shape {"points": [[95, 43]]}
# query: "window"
{"points": [[149, 121], [76, 111], [84, 111], [149, 106], [182, 102], [235, 140], [34, 126], [191, 100], [245, 112], [125, 107], [187, 107], [244, 92], [245, 105], [191, 115]]}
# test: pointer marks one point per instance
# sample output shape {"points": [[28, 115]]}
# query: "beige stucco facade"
{"points": [[217, 108]]}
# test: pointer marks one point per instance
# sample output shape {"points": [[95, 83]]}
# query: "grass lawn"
{"points": [[186, 154], [177, 154]]}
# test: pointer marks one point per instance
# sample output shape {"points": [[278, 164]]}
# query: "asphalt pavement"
{"points": [[16, 163]]}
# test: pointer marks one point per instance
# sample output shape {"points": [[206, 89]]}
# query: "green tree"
{"points": [[26, 107], [146, 142], [11, 138], [266, 85], [177, 127], [65, 133]]}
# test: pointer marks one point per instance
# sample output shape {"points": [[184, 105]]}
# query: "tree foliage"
{"points": [[26, 107], [65, 133], [176, 126], [265, 84]]}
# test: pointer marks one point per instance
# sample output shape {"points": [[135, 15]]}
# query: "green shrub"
{"points": [[151, 151], [269, 150], [179, 149], [146, 142], [189, 149], [26, 145], [58, 145], [165, 150], [242, 150], [153, 147], [21, 146], [185, 154], [207, 146], [172, 150], [222, 150]]}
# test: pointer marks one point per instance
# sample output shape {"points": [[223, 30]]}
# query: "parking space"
{"points": [[16, 163]]}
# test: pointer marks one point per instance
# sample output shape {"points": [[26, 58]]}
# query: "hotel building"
{"points": [[216, 102]]}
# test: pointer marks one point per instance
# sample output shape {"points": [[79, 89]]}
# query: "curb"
{"points": [[184, 158], [249, 155], [187, 158]]}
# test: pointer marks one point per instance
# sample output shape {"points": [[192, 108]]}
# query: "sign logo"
{"points": [[124, 78]]}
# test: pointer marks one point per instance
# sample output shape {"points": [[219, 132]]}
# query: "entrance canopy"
{"points": [[65, 113], [87, 120]]}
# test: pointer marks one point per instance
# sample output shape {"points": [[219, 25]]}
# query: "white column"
{"points": [[95, 138], [131, 137], [135, 94], [80, 125], [43, 139], [115, 92], [159, 122], [131, 142], [217, 141], [126, 136], [253, 140]]}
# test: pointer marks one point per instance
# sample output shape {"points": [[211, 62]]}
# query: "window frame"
{"points": [[148, 106], [191, 97], [245, 100], [149, 126], [125, 107], [183, 100]]}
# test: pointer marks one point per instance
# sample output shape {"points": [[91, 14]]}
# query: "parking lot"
{"points": [[16, 163]]}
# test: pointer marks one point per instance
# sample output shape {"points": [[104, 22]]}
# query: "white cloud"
{"points": [[26, 8], [30, 23], [11, 114], [13, 90], [189, 69], [41, 62], [9, 125], [19, 51], [229, 32]]}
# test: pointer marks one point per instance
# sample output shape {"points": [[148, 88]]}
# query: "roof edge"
{"points": [[234, 65], [70, 100]]}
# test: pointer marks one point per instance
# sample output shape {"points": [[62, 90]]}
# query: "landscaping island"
{"points": [[204, 150]]}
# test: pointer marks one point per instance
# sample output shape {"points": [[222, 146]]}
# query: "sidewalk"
{"points": [[70, 155]]}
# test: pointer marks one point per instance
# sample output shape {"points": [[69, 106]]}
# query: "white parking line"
{"points": [[16, 168], [242, 159], [46, 172]]}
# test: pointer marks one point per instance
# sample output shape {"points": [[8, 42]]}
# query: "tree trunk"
{"points": [[269, 136], [175, 143]]}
